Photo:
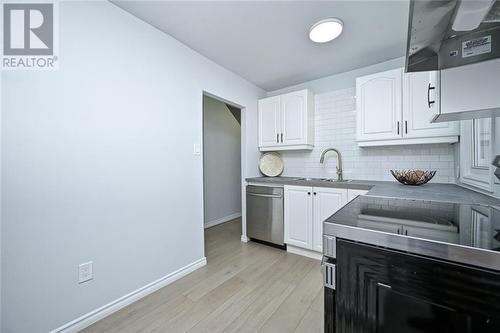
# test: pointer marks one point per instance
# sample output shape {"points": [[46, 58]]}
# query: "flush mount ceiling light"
{"points": [[326, 30]]}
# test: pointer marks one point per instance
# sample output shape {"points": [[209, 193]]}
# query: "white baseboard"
{"points": [[244, 239], [222, 220], [104, 311], [304, 252]]}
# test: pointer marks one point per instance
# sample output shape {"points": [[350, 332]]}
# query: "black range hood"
{"points": [[450, 33]]}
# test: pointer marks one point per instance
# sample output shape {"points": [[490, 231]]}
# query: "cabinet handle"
{"points": [[281, 137], [308, 193], [314, 193], [398, 127], [429, 102], [278, 138], [406, 232], [384, 285], [406, 126], [398, 231]]}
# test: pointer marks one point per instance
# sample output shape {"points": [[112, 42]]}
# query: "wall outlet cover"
{"points": [[85, 272]]}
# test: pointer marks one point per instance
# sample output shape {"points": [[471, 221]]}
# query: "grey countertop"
{"points": [[354, 184], [431, 191]]}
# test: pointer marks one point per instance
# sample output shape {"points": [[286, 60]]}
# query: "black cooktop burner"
{"points": [[462, 224]]}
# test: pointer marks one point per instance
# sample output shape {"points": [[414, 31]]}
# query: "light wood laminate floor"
{"points": [[245, 287]]}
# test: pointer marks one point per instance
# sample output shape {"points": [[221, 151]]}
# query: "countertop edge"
{"points": [[440, 192], [353, 185], [477, 257]]}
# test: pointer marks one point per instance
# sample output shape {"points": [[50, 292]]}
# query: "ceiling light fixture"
{"points": [[326, 30]]}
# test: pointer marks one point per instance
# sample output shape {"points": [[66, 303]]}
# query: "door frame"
{"points": [[243, 167]]}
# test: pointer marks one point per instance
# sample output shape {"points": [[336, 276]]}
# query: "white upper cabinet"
{"points": [[420, 104], [286, 122], [294, 118], [378, 104], [396, 108], [269, 121]]}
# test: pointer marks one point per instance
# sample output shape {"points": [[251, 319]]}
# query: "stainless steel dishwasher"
{"points": [[265, 214]]}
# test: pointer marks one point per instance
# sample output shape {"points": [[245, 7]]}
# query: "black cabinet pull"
{"points": [[308, 193], [429, 102], [281, 137], [398, 127], [277, 138], [314, 193], [406, 126]]}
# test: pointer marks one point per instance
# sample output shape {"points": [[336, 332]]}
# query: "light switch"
{"points": [[196, 149]]}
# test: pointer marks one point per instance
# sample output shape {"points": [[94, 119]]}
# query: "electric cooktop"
{"points": [[443, 229]]}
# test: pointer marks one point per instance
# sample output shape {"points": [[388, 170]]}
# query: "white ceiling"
{"points": [[267, 42]]}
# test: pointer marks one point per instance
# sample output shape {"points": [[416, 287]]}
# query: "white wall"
{"points": [[335, 126], [98, 164], [221, 162], [341, 80], [1, 229]]}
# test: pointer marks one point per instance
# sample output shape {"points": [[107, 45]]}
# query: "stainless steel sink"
{"points": [[323, 180]]}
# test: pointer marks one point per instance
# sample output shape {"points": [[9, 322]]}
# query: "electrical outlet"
{"points": [[85, 272]]}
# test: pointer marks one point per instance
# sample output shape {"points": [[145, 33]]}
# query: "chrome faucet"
{"points": [[339, 161]]}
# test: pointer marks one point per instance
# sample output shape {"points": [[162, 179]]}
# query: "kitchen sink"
{"points": [[333, 180]]}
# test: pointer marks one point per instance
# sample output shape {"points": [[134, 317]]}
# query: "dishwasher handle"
{"points": [[278, 196]]}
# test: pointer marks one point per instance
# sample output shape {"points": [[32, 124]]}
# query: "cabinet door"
{"points": [[326, 202], [420, 104], [384, 291], [294, 118], [298, 216], [378, 104], [269, 121]]}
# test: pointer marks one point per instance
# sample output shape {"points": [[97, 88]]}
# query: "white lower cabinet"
{"points": [[305, 210], [326, 201], [298, 216]]}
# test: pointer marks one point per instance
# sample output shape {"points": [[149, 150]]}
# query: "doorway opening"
{"points": [[222, 202]]}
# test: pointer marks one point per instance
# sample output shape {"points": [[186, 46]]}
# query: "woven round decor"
{"points": [[271, 164]]}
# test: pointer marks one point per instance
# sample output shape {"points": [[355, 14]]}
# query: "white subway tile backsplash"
{"points": [[335, 126]]}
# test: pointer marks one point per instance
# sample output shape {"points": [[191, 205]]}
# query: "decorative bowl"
{"points": [[271, 164], [413, 177]]}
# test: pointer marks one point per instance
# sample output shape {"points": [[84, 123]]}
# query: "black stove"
{"points": [[475, 226], [397, 265]]}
